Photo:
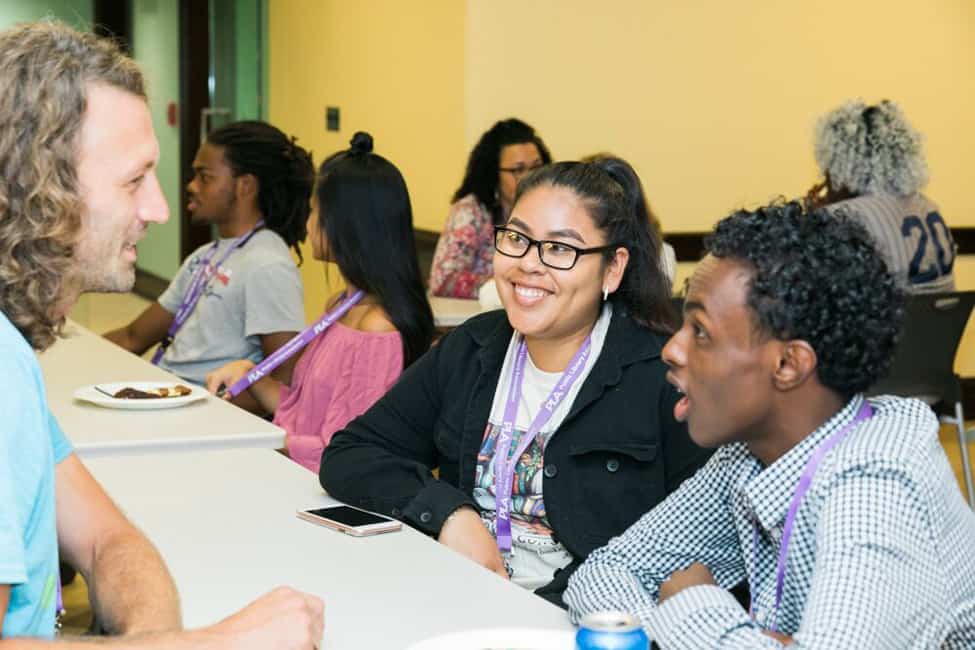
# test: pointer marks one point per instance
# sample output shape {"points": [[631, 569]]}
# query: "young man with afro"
{"points": [[841, 512]]}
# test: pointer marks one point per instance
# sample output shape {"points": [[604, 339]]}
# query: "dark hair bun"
{"points": [[361, 143]]}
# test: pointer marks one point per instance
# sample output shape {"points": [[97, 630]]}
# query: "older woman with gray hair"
{"points": [[874, 168]]}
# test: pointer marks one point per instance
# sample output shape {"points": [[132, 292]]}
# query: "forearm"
{"points": [[707, 617], [267, 393], [198, 640], [602, 584], [370, 476], [122, 337], [282, 618], [130, 589], [691, 525], [284, 373], [144, 332], [248, 401]]}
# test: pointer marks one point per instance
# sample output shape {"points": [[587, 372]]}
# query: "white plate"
{"points": [[508, 638], [91, 394]]}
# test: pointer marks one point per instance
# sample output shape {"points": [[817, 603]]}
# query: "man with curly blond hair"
{"points": [[78, 189], [873, 166]]}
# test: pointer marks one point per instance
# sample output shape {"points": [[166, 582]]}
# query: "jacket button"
{"points": [[396, 512], [551, 471], [426, 516], [612, 464]]}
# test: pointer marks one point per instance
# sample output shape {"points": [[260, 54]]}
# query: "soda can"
{"points": [[611, 631]]}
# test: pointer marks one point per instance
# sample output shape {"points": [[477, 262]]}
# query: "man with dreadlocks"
{"points": [[239, 297]]}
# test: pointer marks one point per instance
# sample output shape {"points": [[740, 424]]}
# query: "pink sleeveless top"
{"points": [[340, 375]]}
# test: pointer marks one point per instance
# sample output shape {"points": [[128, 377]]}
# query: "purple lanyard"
{"points": [[197, 286], [299, 341], [504, 470], [805, 481], [59, 612]]}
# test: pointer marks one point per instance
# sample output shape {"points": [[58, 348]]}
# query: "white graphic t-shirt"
{"points": [[534, 555]]}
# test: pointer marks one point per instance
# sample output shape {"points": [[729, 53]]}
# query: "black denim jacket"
{"points": [[617, 454]]}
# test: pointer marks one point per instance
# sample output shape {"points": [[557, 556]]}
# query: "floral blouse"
{"points": [[463, 259]]}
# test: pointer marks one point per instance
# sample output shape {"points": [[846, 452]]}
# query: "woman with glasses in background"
{"points": [[551, 422], [462, 261]]}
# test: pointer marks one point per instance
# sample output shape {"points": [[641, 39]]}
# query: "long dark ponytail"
{"points": [[284, 171], [612, 194], [364, 211]]}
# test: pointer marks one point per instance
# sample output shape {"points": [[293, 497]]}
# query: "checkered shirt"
{"points": [[882, 554]]}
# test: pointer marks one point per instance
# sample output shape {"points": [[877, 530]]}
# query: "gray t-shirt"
{"points": [[910, 235], [256, 291]]}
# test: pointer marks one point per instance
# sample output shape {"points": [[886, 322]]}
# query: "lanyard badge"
{"points": [[296, 343], [198, 285], [504, 469]]}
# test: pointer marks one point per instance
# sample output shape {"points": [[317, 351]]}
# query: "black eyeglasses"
{"points": [[520, 171], [554, 254]]}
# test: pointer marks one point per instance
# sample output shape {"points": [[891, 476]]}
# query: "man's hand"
{"points": [[283, 619], [465, 533], [692, 576]]}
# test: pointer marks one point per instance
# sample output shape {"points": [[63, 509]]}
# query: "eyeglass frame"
{"points": [[537, 243], [518, 172]]}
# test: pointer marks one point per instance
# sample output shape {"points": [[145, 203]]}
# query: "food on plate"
{"points": [[178, 390]]}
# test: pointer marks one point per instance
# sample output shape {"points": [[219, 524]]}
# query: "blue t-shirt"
{"points": [[31, 444]]}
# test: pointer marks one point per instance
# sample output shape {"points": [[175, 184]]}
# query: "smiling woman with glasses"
{"points": [[550, 421], [506, 153]]}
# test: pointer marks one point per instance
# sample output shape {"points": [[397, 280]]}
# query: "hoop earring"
{"points": [[605, 293]]}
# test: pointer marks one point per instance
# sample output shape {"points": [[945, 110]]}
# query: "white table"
{"points": [[225, 523], [85, 358], [451, 312]]}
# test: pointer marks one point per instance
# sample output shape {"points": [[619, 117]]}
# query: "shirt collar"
{"points": [[768, 494]]}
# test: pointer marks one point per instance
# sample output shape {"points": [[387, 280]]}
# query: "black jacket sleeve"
{"points": [[552, 592], [383, 460]]}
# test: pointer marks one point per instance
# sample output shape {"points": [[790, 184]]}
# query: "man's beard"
{"points": [[118, 279]]}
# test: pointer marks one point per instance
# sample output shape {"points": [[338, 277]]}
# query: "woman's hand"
{"points": [[228, 375], [465, 533]]}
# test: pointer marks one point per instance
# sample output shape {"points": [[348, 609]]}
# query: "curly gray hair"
{"points": [[870, 150]]}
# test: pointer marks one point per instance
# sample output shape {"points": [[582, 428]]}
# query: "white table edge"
{"points": [[269, 441]]}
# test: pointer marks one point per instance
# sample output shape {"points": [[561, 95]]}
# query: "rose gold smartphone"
{"points": [[351, 521]]}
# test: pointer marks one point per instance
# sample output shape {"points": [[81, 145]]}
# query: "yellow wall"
{"points": [[713, 102], [396, 69], [964, 279]]}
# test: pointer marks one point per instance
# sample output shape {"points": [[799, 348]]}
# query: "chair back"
{"points": [[924, 360]]}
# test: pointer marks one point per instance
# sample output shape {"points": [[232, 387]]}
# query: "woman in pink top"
{"points": [[362, 221]]}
